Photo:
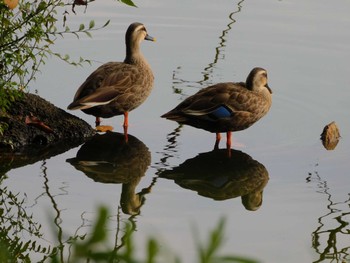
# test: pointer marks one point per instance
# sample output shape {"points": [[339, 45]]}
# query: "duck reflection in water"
{"points": [[107, 158], [213, 176]]}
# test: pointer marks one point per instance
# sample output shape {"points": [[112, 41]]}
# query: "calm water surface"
{"points": [[304, 215]]}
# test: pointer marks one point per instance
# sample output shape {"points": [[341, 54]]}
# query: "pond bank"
{"points": [[34, 124]]}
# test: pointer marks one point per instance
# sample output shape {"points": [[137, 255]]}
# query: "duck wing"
{"points": [[219, 101], [111, 81]]}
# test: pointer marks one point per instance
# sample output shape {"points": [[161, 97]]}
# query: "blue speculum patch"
{"points": [[221, 112]]}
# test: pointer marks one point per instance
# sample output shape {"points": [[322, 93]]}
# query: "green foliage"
{"points": [[128, 2], [209, 253], [26, 36], [14, 222], [7, 96], [3, 127], [93, 247]]}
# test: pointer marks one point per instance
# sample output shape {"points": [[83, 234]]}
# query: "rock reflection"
{"points": [[333, 226], [215, 176], [32, 154], [107, 158]]}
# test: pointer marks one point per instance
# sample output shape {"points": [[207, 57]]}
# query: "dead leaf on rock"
{"points": [[104, 128], [34, 121], [11, 3], [330, 136]]}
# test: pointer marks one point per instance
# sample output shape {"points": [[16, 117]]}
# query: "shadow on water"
{"points": [[105, 158], [214, 175], [108, 159], [32, 154], [333, 226], [15, 221], [208, 70]]}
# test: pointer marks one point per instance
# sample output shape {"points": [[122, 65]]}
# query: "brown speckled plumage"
{"points": [[116, 88], [226, 107]]}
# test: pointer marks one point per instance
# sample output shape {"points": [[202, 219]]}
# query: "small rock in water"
{"points": [[330, 136]]}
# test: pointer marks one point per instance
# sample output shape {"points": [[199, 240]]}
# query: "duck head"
{"points": [[257, 80], [135, 34]]}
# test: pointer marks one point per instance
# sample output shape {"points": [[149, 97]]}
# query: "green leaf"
{"points": [[128, 2], [88, 34], [81, 27], [23, 248], [42, 6], [92, 24], [236, 259], [106, 24], [99, 231], [152, 250]]}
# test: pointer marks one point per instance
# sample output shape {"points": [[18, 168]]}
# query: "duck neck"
{"points": [[266, 93], [133, 54]]}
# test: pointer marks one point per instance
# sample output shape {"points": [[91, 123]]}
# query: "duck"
{"points": [[226, 107], [116, 88]]}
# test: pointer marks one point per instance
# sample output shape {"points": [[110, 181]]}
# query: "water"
{"points": [[304, 216]]}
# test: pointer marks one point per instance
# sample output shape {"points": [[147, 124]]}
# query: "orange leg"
{"points": [[126, 119], [228, 142], [217, 141], [98, 121], [125, 125], [102, 128]]}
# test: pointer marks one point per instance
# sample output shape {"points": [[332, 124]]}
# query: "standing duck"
{"points": [[226, 107], [116, 88]]}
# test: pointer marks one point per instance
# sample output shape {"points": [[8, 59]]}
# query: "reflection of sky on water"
{"points": [[333, 227], [208, 71], [305, 47]]}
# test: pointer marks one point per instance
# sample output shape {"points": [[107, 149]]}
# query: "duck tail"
{"points": [[174, 116]]}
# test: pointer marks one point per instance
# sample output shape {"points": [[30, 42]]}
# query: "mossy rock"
{"points": [[57, 127]]}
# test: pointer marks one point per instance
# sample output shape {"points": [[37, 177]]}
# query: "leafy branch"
{"points": [[27, 34]]}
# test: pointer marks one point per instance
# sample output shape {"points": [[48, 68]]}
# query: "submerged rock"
{"points": [[330, 136], [33, 123]]}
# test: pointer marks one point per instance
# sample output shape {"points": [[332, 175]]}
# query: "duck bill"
{"points": [[148, 37], [269, 89]]}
